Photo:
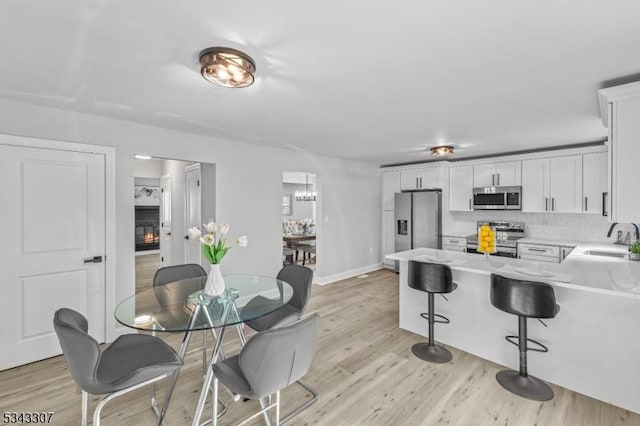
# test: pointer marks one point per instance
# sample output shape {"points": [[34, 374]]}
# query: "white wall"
{"points": [[248, 188], [147, 168]]}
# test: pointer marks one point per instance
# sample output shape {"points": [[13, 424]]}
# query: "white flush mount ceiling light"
{"points": [[143, 157], [441, 151], [227, 67], [306, 195]]}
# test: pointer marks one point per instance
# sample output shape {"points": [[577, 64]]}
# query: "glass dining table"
{"points": [[184, 307]]}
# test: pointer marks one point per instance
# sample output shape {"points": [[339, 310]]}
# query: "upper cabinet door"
{"points": [[484, 175], [409, 179], [565, 189], [429, 178], [460, 188], [508, 173], [390, 185], [595, 181], [535, 185]]}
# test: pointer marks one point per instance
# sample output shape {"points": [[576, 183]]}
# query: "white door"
{"points": [[409, 179], [165, 220], [460, 188], [429, 178], [535, 185], [52, 221], [509, 173], [193, 215], [390, 185], [484, 175], [595, 181], [389, 242], [565, 188]]}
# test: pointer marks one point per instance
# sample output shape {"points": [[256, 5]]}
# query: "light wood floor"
{"points": [[363, 369], [146, 267]]}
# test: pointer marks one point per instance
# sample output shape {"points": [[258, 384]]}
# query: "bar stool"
{"points": [[526, 299], [431, 278]]}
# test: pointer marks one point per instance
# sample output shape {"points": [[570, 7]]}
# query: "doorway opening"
{"points": [[299, 218], [171, 196]]}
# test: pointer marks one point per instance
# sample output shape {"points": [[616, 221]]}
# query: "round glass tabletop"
{"points": [[183, 306]]}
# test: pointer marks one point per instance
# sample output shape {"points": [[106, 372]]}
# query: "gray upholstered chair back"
{"points": [[300, 278], [430, 277], [80, 349], [169, 274], [275, 358], [525, 298]]}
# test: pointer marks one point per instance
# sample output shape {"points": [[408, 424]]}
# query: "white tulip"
{"points": [[224, 228], [210, 227], [208, 239], [243, 241], [193, 233]]}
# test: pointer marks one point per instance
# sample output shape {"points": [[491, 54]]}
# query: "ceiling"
{"points": [[370, 81]]}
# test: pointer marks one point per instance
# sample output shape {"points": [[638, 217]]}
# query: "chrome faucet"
{"points": [[619, 240]]}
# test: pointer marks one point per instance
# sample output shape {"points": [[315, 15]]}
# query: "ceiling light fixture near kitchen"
{"points": [[227, 67], [306, 195], [441, 151], [143, 157]]}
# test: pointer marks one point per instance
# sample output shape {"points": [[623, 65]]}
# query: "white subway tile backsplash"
{"points": [[556, 226]]}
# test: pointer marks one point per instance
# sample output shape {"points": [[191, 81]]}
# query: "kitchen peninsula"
{"points": [[593, 342]]}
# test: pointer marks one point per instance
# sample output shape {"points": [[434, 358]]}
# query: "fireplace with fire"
{"points": [[147, 228]]}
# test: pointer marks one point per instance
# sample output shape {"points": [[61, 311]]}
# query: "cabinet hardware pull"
{"points": [[537, 249], [420, 182], [604, 203], [469, 203], [553, 204], [498, 178], [493, 179], [546, 204], [417, 186], [94, 259], [586, 204]]}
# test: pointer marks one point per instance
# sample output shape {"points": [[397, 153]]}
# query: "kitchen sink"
{"points": [[606, 253]]}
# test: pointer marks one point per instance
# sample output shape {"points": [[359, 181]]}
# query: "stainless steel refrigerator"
{"points": [[418, 220]]}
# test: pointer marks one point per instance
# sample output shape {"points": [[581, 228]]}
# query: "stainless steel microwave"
{"points": [[497, 198]]}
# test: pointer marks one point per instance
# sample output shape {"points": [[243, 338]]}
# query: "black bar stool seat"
{"points": [[526, 299], [432, 278]]}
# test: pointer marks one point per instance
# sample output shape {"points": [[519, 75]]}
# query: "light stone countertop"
{"points": [[590, 273]]}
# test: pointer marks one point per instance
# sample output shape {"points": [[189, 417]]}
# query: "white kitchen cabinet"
{"points": [[565, 184], [505, 173], [539, 252], [535, 185], [552, 184], [388, 244], [620, 109], [390, 185], [594, 182], [461, 188], [424, 178]]}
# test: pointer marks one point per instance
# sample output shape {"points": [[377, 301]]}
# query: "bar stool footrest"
{"points": [[442, 320], [540, 347]]}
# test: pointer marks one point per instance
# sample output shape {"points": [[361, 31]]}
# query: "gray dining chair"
{"points": [[169, 274], [130, 362], [269, 362], [300, 278]]}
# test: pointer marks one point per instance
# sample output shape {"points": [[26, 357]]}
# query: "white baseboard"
{"points": [[346, 274]]}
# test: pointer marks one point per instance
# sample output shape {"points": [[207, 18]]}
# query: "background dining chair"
{"points": [[169, 274], [270, 361], [300, 278], [130, 362]]}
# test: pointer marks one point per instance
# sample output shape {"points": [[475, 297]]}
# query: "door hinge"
{"points": [[198, 182]]}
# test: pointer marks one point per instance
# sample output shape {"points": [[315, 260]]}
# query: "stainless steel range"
{"points": [[507, 236]]}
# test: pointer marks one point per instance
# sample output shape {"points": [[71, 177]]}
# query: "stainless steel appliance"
{"points": [[418, 220], [507, 236], [497, 198]]}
